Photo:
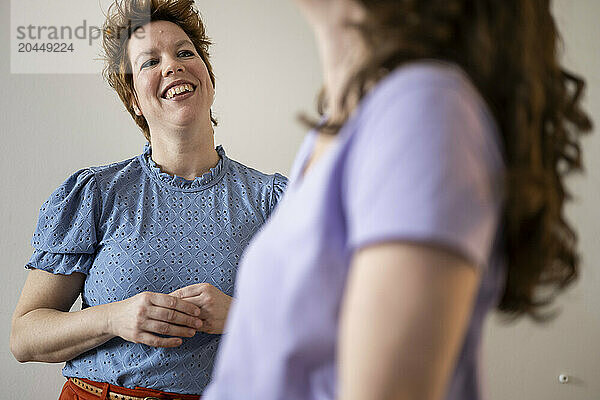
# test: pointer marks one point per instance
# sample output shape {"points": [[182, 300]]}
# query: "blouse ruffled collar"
{"points": [[177, 181]]}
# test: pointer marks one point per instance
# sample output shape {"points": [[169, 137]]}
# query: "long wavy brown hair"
{"points": [[123, 18], [509, 48]]}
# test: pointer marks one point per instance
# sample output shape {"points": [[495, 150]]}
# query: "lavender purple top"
{"points": [[420, 160]]}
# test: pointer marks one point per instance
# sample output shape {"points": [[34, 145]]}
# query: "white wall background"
{"points": [[267, 71]]}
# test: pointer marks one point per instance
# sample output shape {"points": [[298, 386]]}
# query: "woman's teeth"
{"points": [[178, 89]]}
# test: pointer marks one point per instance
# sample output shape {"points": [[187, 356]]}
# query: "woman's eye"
{"points": [[148, 63], [185, 53]]}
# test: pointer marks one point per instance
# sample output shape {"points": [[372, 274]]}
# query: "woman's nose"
{"points": [[171, 67]]}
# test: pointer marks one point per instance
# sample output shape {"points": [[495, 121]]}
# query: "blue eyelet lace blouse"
{"points": [[131, 228]]}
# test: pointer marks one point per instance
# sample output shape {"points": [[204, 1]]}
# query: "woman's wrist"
{"points": [[106, 320]]}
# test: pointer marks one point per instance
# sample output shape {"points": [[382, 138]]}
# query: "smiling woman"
{"points": [[172, 86], [151, 243]]}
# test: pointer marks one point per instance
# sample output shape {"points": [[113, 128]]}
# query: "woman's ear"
{"points": [[135, 105], [137, 111]]}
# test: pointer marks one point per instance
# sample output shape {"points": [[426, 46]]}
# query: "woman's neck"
{"points": [[341, 49], [184, 154]]}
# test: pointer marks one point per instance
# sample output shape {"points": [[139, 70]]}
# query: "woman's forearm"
{"points": [[49, 335], [44, 330]]}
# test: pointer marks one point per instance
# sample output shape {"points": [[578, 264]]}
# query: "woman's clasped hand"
{"points": [[182, 313], [214, 305], [140, 318]]}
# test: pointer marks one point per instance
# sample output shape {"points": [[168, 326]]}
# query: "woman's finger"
{"points": [[156, 341], [200, 302], [165, 328], [172, 316], [174, 303], [190, 291]]}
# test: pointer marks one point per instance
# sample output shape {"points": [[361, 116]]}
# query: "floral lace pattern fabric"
{"points": [[180, 182], [131, 228]]}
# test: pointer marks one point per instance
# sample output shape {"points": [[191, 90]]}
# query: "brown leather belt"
{"points": [[114, 395]]}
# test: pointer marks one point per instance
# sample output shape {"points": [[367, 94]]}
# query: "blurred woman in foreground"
{"points": [[431, 192]]}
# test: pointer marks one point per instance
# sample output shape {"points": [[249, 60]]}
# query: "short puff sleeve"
{"points": [[65, 237], [425, 166], [279, 185]]}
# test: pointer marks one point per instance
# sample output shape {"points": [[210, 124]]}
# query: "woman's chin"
{"points": [[186, 117]]}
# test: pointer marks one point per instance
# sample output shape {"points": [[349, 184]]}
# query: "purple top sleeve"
{"points": [[431, 173]]}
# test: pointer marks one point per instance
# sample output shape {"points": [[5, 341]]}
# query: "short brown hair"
{"points": [[123, 18]]}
